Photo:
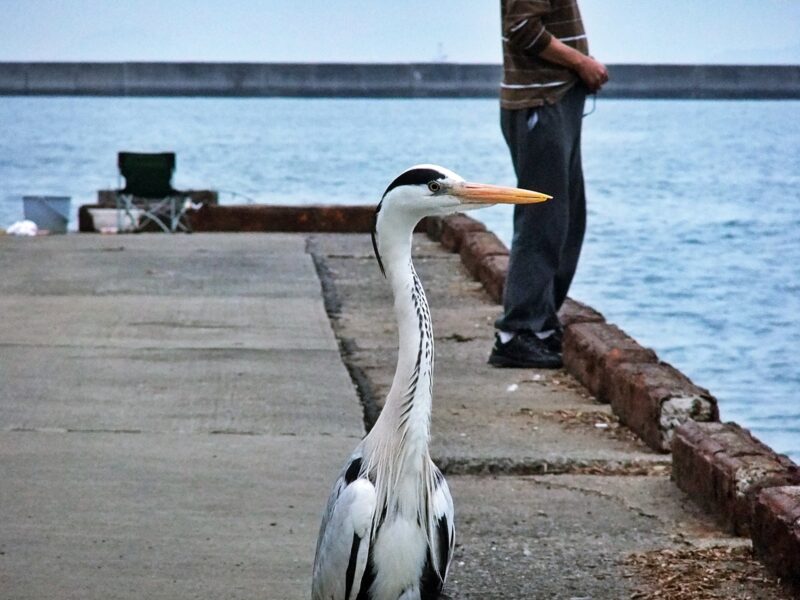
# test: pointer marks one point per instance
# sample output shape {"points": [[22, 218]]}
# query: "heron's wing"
{"points": [[446, 531], [344, 539], [444, 535]]}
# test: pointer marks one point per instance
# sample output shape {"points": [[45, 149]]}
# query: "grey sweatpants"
{"points": [[545, 145]]}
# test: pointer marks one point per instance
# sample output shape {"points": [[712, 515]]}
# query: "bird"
{"points": [[387, 532]]}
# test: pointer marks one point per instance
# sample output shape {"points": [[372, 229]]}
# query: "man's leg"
{"points": [[541, 161], [574, 104], [541, 155], [545, 150]]}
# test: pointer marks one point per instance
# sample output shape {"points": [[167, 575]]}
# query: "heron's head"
{"points": [[431, 190]]}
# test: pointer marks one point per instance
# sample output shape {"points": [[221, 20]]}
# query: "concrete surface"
{"points": [[118, 515], [173, 410], [416, 80]]}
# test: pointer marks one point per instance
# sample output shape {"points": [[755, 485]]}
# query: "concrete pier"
{"points": [[173, 410], [409, 80]]}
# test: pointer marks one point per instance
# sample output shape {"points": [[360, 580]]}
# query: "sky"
{"points": [[466, 31]]}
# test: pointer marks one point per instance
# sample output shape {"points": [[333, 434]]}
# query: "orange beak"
{"points": [[481, 193]]}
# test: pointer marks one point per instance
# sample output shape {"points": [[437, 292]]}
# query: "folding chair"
{"points": [[148, 195]]}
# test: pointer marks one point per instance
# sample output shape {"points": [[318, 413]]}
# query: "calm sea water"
{"points": [[692, 245]]}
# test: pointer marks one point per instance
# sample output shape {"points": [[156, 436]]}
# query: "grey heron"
{"points": [[387, 531]]}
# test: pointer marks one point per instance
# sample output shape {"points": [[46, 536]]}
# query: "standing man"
{"points": [[547, 74]]}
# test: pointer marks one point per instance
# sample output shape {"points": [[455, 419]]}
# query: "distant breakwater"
{"points": [[375, 80]]}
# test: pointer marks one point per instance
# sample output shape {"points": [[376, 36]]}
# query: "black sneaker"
{"points": [[524, 351], [554, 340]]}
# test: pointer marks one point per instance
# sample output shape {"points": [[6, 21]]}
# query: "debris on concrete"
{"points": [[701, 574]]}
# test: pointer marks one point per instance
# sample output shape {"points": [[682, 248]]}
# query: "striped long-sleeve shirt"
{"points": [[528, 26]]}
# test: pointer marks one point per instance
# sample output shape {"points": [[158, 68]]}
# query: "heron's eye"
{"points": [[434, 186]]}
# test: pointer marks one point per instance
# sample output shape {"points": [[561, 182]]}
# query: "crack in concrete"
{"points": [[347, 347], [591, 491]]}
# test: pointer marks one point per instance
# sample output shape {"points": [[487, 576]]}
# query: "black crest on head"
{"points": [[421, 176]]}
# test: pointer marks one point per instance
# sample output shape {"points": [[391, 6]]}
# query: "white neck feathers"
{"points": [[405, 417]]}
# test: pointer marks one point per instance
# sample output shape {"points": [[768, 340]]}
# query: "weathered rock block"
{"points": [[254, 218], [776, 531], [572, 312], [476, 246], [723, 468], [654, 399], [492, 274], [454, 227], [591, 350]]}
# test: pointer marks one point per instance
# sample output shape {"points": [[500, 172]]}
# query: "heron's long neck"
{"points": [[406, 413]]}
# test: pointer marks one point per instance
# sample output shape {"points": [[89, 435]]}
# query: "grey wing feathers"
{"points": [[344, 539]]}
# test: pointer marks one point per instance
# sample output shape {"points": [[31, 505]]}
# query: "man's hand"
{"points": [[593, 73]]}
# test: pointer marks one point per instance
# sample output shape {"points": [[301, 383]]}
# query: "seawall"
{"points": [[409, 80]]}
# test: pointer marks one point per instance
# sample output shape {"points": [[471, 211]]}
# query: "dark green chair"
{"points": [[148, 195]]}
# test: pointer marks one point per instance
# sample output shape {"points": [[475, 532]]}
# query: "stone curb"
{"points": [[592, 350], [654, 399], [454, 229], [573, 312], [258, 218], [723, 467], [477, 247], [492, 274], [254, 218], [776, 531]]}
